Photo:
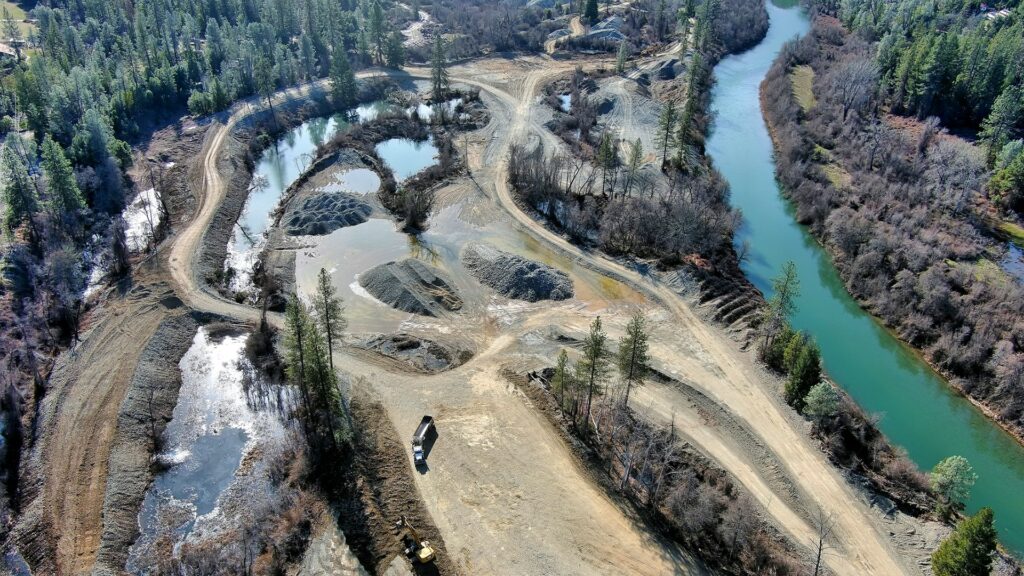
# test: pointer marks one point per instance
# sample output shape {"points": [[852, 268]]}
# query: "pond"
{"points": [[224, 413], [406, 157]]}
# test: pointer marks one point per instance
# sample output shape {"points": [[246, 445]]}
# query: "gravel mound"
{"points": [[419, 353], [412, 286], [515, 276], [324, 213]]}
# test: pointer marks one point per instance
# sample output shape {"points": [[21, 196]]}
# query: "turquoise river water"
{"points": [[919, 411]]}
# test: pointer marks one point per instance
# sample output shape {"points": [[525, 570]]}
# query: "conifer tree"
{"points": [[968, 550], [329, 312], [344, 90], [439, 71], [63, 195], [666, 137], [20, 201], [633, 353], [593, 366]]}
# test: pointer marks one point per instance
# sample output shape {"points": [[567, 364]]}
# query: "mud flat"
{"points": [[514, 276], [412, 286]]}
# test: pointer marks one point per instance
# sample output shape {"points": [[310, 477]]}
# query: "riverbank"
{"points": [[919, 407]]}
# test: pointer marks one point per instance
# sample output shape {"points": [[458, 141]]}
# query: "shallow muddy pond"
{"points": [[360, 181], [406, 157], [277, 168], [224, 413], [348, 252], [281, 164]]}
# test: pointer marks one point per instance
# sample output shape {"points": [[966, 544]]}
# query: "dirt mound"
{"points": [[324, 213], [412, 286], [515, 276], [419, 353]]}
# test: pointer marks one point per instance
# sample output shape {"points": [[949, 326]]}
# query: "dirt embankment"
{"points": [[147, 407], [383, 490], [514, 276]]}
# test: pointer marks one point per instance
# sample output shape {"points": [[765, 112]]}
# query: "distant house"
{"points": [[998, 14]]}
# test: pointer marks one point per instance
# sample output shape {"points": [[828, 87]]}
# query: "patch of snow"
{"points": [[141, 219]]}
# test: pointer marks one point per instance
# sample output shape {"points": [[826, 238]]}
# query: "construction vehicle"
{"points": [[420, 437], [416, 548]]}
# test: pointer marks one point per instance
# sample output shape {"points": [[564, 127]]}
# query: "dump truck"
{"points": [[416, 548], [423, 432]]}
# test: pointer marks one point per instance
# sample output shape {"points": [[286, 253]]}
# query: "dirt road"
{"points": [[733, 383], [79, 416]]}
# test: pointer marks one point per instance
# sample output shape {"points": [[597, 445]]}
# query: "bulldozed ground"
{"points": [[503, 489]]}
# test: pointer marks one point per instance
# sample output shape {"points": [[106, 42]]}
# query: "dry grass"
{"points": [[18, 13], [837, 175], [802, 78]]}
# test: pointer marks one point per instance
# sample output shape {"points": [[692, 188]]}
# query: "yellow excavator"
{"points": [[416, 548]]}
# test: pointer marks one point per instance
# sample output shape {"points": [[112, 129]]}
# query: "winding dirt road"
{"points": [[861, 549]]}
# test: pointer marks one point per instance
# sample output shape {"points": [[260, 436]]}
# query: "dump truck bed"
{"points": [[422, 429]]}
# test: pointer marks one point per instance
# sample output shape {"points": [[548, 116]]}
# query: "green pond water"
{"points": [[918, 409]]}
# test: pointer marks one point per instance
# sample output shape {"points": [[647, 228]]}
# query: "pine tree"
{"points": [[20, 200], [666, 131], [561, 380], [968, 550], [344, 90], [395, 53], [376, 28], [263, 76], [1007, 114], [621, 57], [63, 195], [633, 353], [297, 328], [781, 304], [606, 159], [590, 12], [329, 312], [439, 71], [804, 374], [593, 367]]}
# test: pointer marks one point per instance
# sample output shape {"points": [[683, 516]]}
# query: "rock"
{"points": [[514, 276], [324, 213], [419, 353], [412, 286]]}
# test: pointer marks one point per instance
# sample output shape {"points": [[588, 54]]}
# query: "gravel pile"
{"points": [[412, 286], [324, 213], [419, 353], [514, 276]]}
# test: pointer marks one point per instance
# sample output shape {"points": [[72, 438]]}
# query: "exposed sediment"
{"points": [[418, 353], [514, 276]]}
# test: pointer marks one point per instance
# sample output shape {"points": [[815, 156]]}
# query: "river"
{"points": [[919, 411]]}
